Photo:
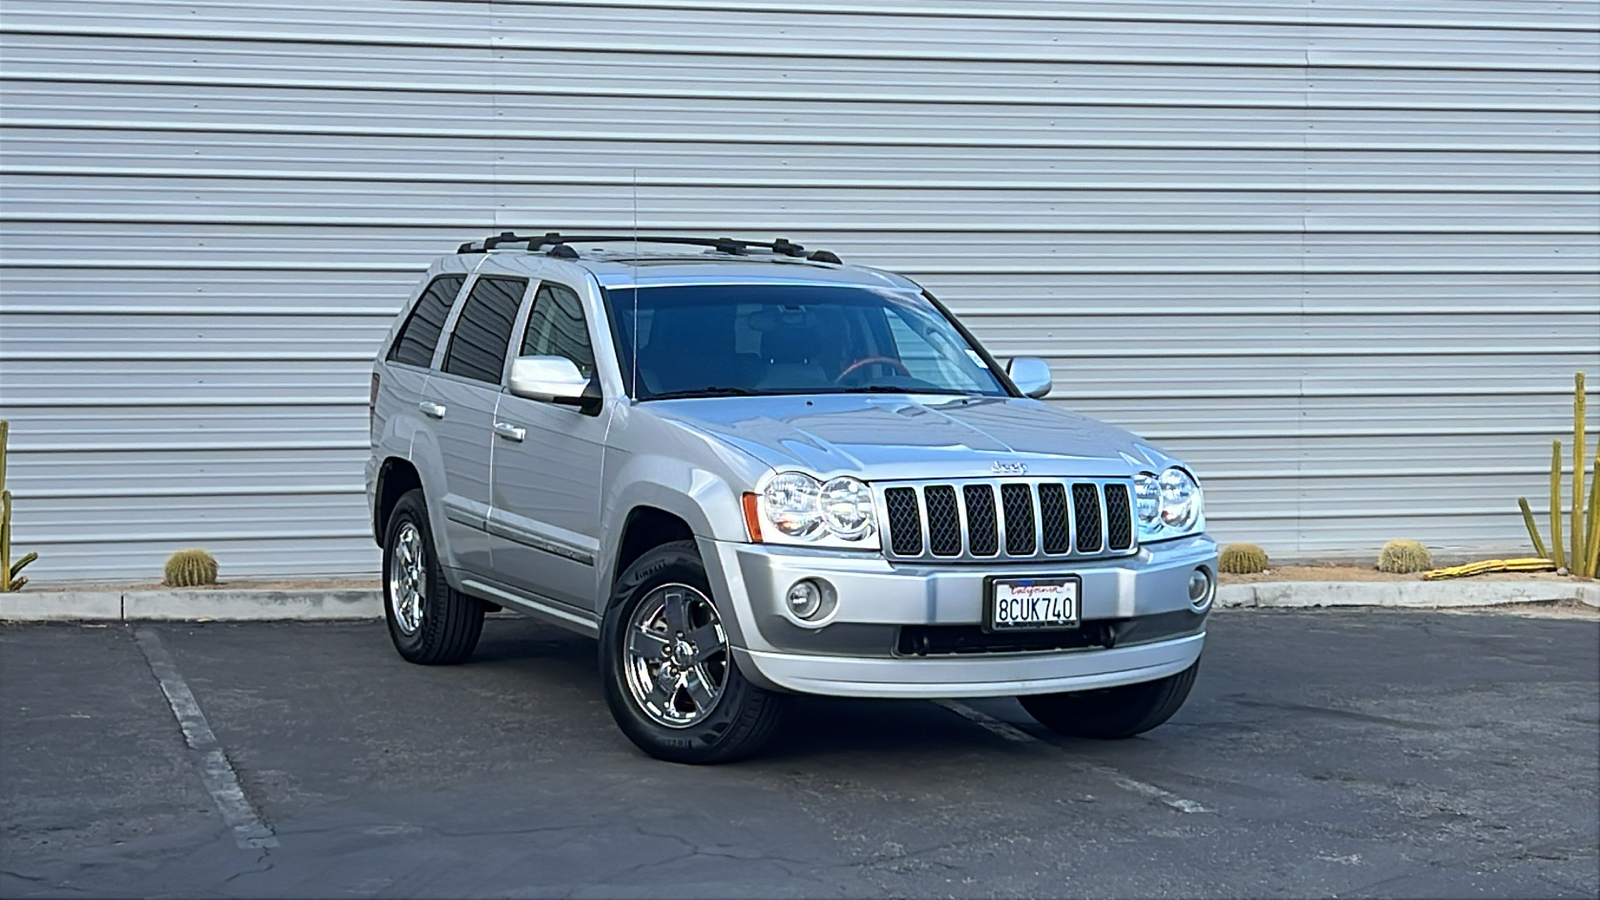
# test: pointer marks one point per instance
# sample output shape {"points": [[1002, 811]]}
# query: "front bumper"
{"points": [[855, 651], [998, 676]]}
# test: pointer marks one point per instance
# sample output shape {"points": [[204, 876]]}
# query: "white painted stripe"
{"points": [[215, 771], [1133, 785], [1149, 790], [1004, 729]]}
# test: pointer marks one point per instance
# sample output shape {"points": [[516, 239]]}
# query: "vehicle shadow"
{"points": [[814, 728], [900, 732]]}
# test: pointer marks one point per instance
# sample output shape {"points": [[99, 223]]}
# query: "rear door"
{"points": [[545, 512], [461, 399]]}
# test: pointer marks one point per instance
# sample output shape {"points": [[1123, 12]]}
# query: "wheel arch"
{"points": [[396, 476], [644, 528]]}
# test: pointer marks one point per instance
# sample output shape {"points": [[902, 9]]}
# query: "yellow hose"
{"points": [[1525, 564]]}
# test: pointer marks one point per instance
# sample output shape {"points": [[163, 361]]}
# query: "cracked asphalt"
{"points": [[1355, 752]]}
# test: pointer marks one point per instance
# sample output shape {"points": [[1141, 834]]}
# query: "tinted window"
{"points": [[478, 345], [420, 334], [791, 339], [555, 328]]}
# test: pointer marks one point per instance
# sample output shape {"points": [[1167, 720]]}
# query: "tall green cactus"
{"points": [[1580, 551], [10, 579], [1585, 532]]}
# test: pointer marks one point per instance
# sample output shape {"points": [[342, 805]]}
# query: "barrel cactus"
{"points": [[191, 568], [1404, 557], [1242, 559]]}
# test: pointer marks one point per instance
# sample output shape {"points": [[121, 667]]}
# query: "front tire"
{"points": [[667, 668], [1113, 713], [431, 623]]}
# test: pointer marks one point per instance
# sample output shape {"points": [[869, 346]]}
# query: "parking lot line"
{"points": [[216, 772], [1004, 729], [1013, 733]]}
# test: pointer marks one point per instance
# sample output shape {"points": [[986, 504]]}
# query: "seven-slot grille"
{"points": [[1007, 519]]}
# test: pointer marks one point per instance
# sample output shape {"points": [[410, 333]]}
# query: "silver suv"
{"points": [[753, 471]]}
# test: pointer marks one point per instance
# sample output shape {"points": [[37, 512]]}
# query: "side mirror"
{"points": [[554, 379], [1031, 375]]}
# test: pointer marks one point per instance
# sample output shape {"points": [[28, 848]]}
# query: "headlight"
{"points": [[804, 510], [1169, 505], [1180, 499], [847, 508], [1147, 491], [791, 505]]}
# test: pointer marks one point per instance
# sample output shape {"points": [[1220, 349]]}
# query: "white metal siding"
{"points": [[1342, 255]]}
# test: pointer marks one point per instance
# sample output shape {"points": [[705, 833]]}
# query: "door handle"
{"points": [[509, 431], [431, 410]]}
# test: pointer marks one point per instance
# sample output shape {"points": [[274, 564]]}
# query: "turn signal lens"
{"points": [[752, 516]]}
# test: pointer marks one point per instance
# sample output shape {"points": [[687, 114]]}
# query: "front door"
{"points": [[461, 398], [545, 505]]}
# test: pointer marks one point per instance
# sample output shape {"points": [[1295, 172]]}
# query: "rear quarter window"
{"points": [[419, 336]]}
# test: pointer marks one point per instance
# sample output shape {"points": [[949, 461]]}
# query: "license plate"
{"points": [[1020, 604]]}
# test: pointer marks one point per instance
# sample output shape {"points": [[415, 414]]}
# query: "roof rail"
{"points": [[557, 244]]}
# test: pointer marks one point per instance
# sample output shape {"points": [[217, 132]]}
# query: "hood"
{"points": [[894, 436]]}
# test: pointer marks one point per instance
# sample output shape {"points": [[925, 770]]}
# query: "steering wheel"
{"points": [[873, 360]]}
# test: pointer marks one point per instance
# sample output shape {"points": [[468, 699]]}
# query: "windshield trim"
{"points": [[1000, 372]]}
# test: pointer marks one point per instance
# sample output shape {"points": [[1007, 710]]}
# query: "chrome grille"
{"points": [[1016, 500], [944, 523], [1086, 513], [901, 506], [983, 532], [1008, 519], [1057, 531], [1119, 517]]}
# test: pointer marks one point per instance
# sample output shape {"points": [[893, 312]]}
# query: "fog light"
{"points": [[805, 599], [1199, 587]]}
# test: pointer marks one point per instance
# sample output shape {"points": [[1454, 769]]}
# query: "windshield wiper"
{"points": [[712, 391], [887, 389]]}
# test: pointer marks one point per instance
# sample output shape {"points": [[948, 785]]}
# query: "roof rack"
{"points": [[556, 244]]}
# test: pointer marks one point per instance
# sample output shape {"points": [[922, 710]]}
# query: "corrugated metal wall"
{"points": [[1341, 254]]}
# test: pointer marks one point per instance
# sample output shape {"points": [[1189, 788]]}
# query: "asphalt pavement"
{"points": [[1337, 752]]}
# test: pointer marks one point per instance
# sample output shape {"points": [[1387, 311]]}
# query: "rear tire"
{"points": [[431, 623], [1113, 713], [667, 669]]}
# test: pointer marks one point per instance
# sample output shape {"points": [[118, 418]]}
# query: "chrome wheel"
{"points": [[408, 574], [676, 656]]}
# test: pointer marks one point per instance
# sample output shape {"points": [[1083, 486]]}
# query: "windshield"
{"points": [[713, 340]]}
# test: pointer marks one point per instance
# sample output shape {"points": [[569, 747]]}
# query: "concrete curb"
{"points": [[240, 605], [268, 604], [1401, 594], [61, 606]]}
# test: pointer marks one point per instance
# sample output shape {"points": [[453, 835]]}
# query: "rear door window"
{"points": [[419, 336], [483, 332]]}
